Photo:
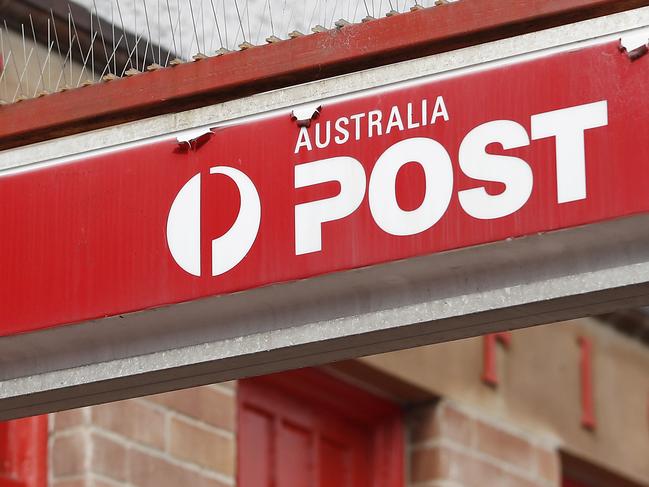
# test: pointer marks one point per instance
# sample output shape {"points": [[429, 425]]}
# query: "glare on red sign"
{"points": [[423, 167]]}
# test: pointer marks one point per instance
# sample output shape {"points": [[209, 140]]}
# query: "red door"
{"points": [[307, 429], [570, 482], [23, 453]]}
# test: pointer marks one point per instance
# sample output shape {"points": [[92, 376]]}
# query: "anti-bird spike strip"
{"points": [[82, 42]]}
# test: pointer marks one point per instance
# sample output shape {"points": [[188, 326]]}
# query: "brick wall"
{"points": [[452, 447], [187, 439], [180, 439]]}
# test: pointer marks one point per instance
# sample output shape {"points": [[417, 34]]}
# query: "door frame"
{"points": [[382, 416]]}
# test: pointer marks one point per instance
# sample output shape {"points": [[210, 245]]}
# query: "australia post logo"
{"points": [[184, 225], [374, 183]]}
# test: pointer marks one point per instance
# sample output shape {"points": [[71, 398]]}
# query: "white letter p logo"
{"points": [[184, 226]]}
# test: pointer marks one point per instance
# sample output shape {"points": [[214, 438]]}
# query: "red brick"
{"points": [[212, 406], [455, 425], [424, 465], [148, 471], [69, 483], [230, 384], [443, 421], [68, 419], [108, 458], [202, 447], [548, 465], [505, 446], [101, 483], [134, 419], [470, 471], [68, 455]]}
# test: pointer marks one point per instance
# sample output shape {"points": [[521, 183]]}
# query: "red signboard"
{"points": [[429, 166]]}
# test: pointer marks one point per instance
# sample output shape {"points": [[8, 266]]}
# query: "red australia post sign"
{"points": [[419, 168]]}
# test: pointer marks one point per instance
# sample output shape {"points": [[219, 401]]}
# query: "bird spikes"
{"points": [[94, 41]]}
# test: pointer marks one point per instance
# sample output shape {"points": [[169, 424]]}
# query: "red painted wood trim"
{"points": [[389, 452], [588, 420], [383, 417], [23, 452], [489, 365], [319, 387], [213, 80]]}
